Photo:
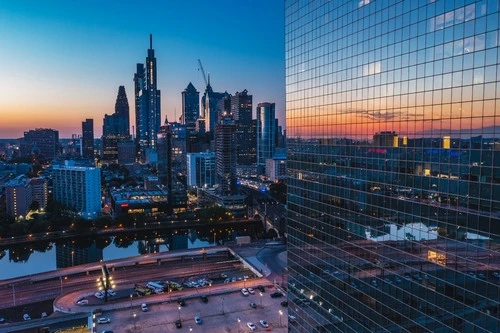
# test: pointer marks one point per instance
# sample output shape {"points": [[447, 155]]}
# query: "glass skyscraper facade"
{"points": [[393, 111]]}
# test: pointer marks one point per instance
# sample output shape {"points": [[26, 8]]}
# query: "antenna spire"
{"points": [[150, 41]]}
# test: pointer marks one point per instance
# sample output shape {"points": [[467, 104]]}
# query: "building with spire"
{"points": [[147, 102], [115, 129]]}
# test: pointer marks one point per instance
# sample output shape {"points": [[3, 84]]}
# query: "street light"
{"points": [[281, 314], [222, 305], [135, 315], [239, 325], [72, 258], [179, 312], [130, 300], [261, 298]]}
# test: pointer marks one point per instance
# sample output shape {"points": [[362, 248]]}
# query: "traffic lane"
{"points": [[220, 314], [49, 289]]}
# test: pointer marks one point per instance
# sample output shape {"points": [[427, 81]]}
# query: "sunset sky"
{"points": [[62, 61]]}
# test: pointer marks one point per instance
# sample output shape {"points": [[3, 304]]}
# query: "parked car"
{"points": [[253, 305], [264, 323], [276, 294], [26, 316], [245, 292], [284, 303], [144, 307], [251, 326], [2, 320], [261, 288], [292, 319], [103, 320], [197, 320], [178, 324], [83, 302], [250, 290]]}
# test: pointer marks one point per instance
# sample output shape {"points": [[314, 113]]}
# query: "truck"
{"points": [[156, 287]]}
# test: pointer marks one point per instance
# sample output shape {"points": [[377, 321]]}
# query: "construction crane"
{"points": [[203, 72]]}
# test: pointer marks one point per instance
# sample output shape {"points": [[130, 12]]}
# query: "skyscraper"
{"points": [[148, 101], [393, 165], [88, 138], [115, 127], [241, 109], [266, 132], [190, 106], [209, 102], [225, 155]]}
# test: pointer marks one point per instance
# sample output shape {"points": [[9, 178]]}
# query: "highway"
{"points": [[125, 272]]}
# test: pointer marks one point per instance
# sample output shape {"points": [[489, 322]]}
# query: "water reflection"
{"points": [[45, 256]]}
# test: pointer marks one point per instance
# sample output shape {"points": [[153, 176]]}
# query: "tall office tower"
{"points": [[209, 103], [201, 169], [179, 142], [78, 187], [148, 101], [241, 108], [18, 195], [190, 106], [115, 128], [266, 132], [88, 138], [42, 141], [387, 237], [225, 155]]}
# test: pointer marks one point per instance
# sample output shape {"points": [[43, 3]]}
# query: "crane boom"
{"points": [[203, 72]]}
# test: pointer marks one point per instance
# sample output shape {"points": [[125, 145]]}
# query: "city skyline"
{"points": [[67, 60]]}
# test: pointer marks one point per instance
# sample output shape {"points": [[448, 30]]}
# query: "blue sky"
{"points": [[62, 61]]}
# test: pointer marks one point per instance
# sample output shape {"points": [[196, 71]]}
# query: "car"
{"points": [[178, 323], [111, 292], [181, 302], [99, 295], [245, 292], [2, 320], [103, 320], [264, 323], [83, 302], [26, 316], [204, 299], [276, 294], [284, 303], [253, 305], [197, 320], [292, 319], [251, 326], [261, 288], [374, 283], [227, 280], [107, 331], [44, 314], [223, 275], [144, 307], [398, 279], [251, 291]]}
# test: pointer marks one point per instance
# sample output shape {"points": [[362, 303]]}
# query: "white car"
{"points": [[99, 295], [26, 316], [103, 320], [292, 319], [197, 320], [245, 292], [264, 323], [251, 326], [250, 290], [83, 302], [144, 307]]}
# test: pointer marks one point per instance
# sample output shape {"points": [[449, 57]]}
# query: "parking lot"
{"points": [[222, 313]]}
